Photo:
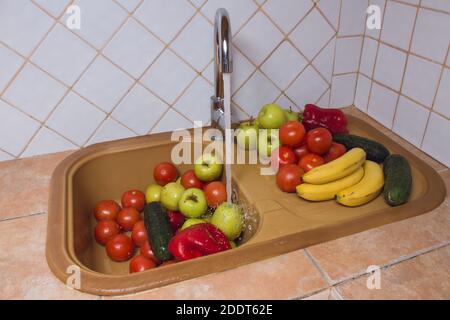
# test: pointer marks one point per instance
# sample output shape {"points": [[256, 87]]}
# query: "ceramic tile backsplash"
{"points": [[63, 89]]}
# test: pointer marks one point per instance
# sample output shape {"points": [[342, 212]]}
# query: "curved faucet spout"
{"points": [[223, 63]]}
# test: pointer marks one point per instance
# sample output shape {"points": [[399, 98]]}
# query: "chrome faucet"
{"points": [[223, 63]]}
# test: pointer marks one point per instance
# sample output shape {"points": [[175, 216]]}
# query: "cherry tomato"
{"points": [[141, 263], [146, 251], [301, 151], [139, 233], [164, 173], [319, 140], [310, 161], [106, 210], [176, 219], [215, 193], [283, 156], [104, 230], [335, 152], [289, 177], [127, 218], [120, 248], [292, 133], [190, 180], [134, 199]]}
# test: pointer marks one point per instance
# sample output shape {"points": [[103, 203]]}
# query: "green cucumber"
{"points": [[158, 229], [375, 151], [398, 180]]}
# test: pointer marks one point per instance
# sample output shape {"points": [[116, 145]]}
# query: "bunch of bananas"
{"points": [[352, 179]]}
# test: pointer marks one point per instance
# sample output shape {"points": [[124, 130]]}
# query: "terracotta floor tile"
{"points": [[348, 256], [24, 273], [327, 294], [423, 277], [24, 184], [284, 277]]}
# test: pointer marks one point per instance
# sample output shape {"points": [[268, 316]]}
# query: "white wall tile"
{"points": [[437, 4], [103, 84], [287, 13], [324, 60], [258, 38], [348, 52], [421, 80], [442, 102], [369, 54], [343, 90], [46, 141], [307, 88], [432, 35], [63, 55], [239, 10], [22, 25], [10, 62], [54, 7], [34, 92], [140, 110], [410, 121], [168, 76], [398, 24], [382, 105], [155, 14], [16, 129], [362, 93], [195, 102], [353, 16], [284, 65], [390, 66], [5, 156], [331, 9], [375, 33], [255, 93], [433, 143], [195, 43], [99, 20], [130, 5], [286, 103], [172, 121], [324, 101], [111, 130], [238, 114], [242, 69], [133, 48], [72, 112]]}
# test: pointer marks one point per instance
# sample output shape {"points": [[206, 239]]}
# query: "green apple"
{"points": [[290, 115], [193, 203], [191, 222], [271, 116], [247, 135], [268, 141], [208, 168], [229, 219], [171, 194], [153, 193]]}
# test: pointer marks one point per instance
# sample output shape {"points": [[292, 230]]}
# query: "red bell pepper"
{"points": [[197, 241], [331, 119]]}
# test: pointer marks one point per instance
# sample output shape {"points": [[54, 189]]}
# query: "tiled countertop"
{"points": [[414, 254]]}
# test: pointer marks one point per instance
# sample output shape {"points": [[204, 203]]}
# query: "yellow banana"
{"points": [[336, 169], [327, 191], [366, 190]]}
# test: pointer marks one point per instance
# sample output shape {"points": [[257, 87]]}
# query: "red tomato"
{"points": [[292, 133], [134, 199], [146, 251], [106, 210], [120, 248], [139, 233], [190, 180], [310, 161], [288, 177], [335, 152], [176, 219], [141, 263], [104, 230], [164, 173], [319, 140], [215, 193], [301, 151], [127, 218], [283, 156]]}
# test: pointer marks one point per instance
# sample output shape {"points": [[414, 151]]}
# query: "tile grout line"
{"points": [[334, 52], [23, 216], [316, 263], [360, 56]]}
